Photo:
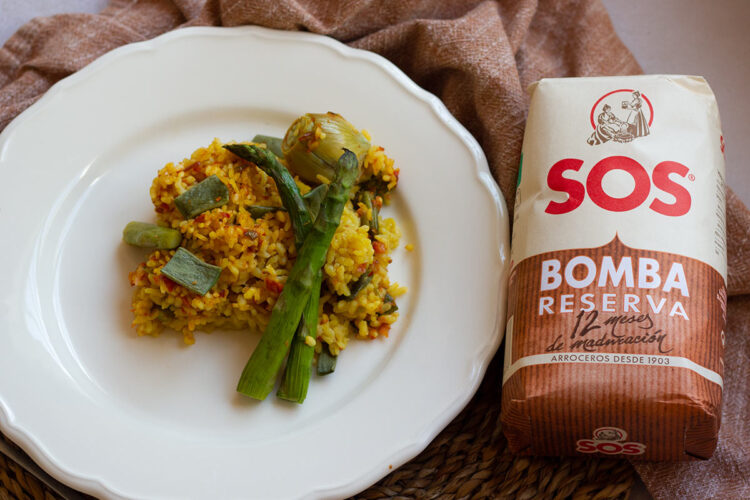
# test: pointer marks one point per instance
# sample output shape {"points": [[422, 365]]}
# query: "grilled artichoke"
{"points": [[314, 143]]}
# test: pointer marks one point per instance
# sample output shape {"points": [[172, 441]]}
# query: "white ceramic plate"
{"points": [[119, 416]]}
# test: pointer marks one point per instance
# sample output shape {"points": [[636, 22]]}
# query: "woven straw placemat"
{"points": [[469, 459]]}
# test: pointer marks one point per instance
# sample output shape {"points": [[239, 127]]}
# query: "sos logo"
{"points": [[610, 441], [671, 198]]}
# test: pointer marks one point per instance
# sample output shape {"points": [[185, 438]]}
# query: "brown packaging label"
{"points": [[617, 300], [595, 324]]}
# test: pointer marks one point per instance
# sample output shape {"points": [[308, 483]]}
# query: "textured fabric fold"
{"points": [[478, 57], [727, 474]]}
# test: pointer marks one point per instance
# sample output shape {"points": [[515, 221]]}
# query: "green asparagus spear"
{"points": [[272, 143], [257, 379], [297, 373], [191, 272], [288, 191], [296, 378], [207, 194], [145, 235], [312, 199]]}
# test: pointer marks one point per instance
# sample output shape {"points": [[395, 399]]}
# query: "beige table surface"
{"points": [[700, 37]]}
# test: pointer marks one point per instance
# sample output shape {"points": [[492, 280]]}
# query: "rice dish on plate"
{"points": [[255, 255]]}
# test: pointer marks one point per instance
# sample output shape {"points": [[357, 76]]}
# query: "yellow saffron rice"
{"points": [[256, 256]]}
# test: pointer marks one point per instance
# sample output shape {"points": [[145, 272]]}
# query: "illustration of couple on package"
{"points": [[610, 127]]}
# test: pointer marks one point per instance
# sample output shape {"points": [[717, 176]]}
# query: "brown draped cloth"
{"points": [[478, 57]]}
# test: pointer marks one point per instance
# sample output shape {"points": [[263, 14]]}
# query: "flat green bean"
{"points": [[208, 194], [191, 272], [146, 235]]}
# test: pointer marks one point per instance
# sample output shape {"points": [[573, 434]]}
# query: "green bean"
{"points": [[371, 220], [359, 285], [191, 272], [390, 310], [146, 235], [326, 362], [388, 299], [272, 143], [258, 377], [375, 221], [208, 194], [375, 185], [258, 211]]}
